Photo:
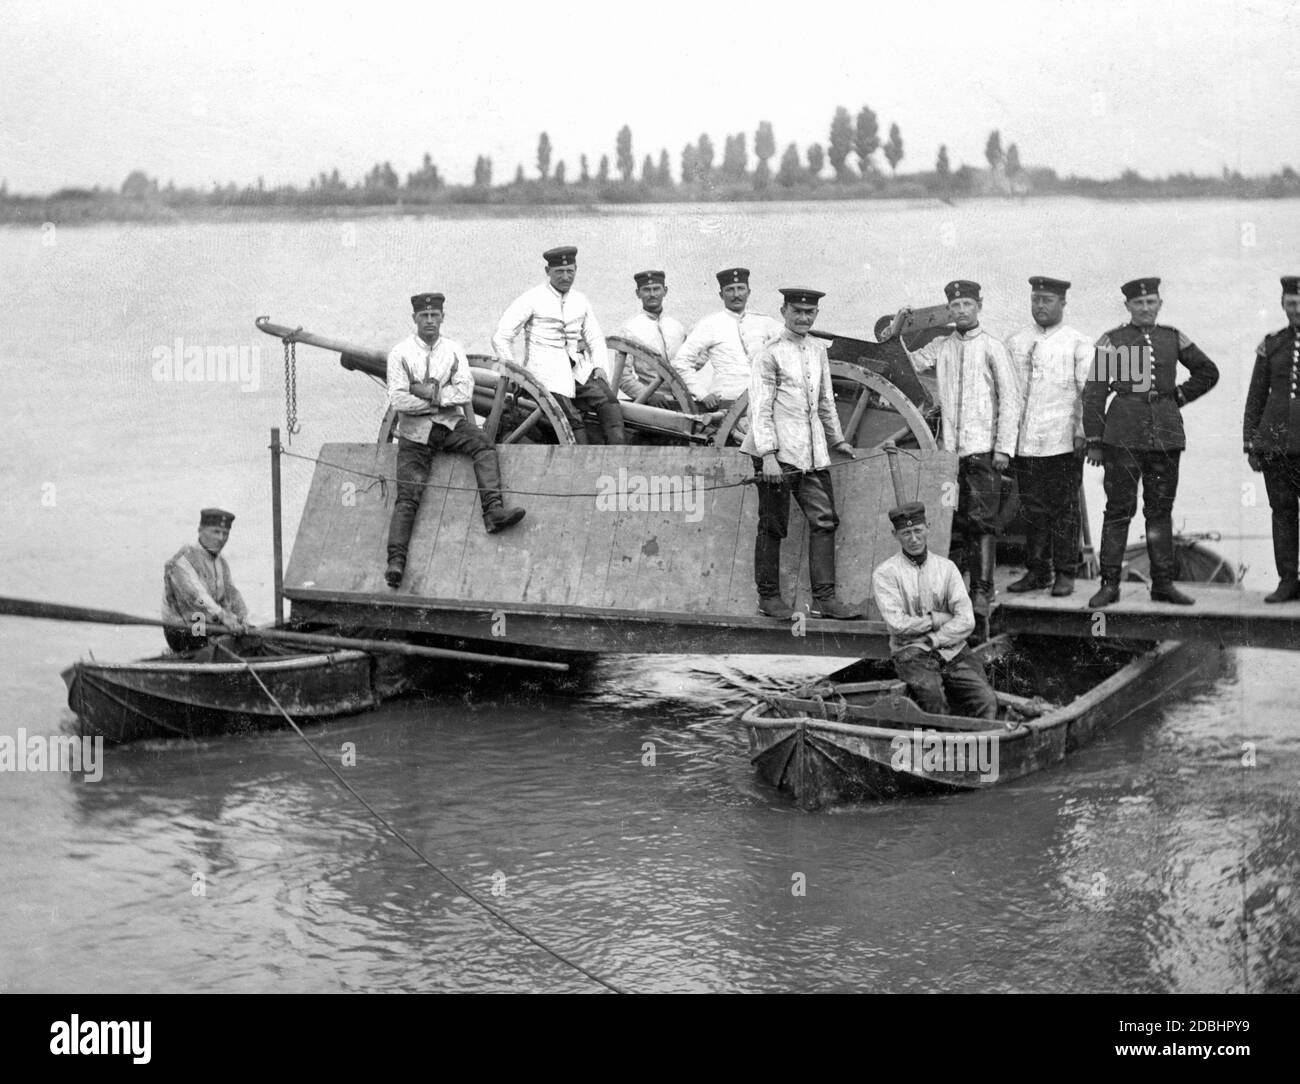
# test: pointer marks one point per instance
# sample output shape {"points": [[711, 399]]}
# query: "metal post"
{"points": [[895, 471], [277, 541]]}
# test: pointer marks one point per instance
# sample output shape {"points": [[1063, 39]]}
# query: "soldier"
{"points": [[793, 428], [924, 603], [980, 401], [727, 341], [651, 327], [197, 586], [1052, 362], [1271, 431], [564, 346], [428, 381], [1140, 436]]}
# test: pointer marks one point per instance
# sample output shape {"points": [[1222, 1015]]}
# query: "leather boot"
{"points": [[1286, 541], [821, 575], [1288, 589], [982, 594], [767, 577], [1037, 571], [611, 422], [1160, 552], [1107, 593], [487, 473], [1063, 585], [396, 570]]}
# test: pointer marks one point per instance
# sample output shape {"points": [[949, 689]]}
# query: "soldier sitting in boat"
{"points": [[197, 587], [924, 602], [793, 421], [428, 382]]}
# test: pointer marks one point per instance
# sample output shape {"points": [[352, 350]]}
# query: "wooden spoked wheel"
{"points": [[871, 410], [664, 377], [512, 402]]}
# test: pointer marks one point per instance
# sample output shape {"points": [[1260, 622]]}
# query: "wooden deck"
{"points": [[1226, 615], [623, 573]]}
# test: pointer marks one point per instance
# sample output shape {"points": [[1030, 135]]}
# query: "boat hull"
{"points": [[823, 761], [174, 697]]}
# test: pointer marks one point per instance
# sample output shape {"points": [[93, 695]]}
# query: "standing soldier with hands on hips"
{"points": [[1139, 437], [1271, 432]]}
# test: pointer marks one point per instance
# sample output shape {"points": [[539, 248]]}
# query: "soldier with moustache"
{"points": [[1271, 432], [980, 403], [1139, 437], [727, 342], [1052, 362]]}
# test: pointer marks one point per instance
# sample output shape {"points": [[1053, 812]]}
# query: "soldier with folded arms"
{"points": [[923, 601], [1271, 431]]}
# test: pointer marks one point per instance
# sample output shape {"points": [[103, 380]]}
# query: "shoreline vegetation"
{"points": [[845, 169]]}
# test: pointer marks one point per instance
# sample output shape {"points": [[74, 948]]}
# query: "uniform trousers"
{"points": [[598, 398], [1158, 473], [413, 462], [1049, 503], [813, 492], [935, 681], [1282, 481]]}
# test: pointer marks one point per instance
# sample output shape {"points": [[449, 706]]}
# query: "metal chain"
{"points": [[291, 385]]}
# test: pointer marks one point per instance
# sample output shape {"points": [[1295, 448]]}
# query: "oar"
{"points": [[54, 611]]}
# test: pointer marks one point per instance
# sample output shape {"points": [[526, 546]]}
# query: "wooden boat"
{"points": [[206, 692], [866, 739]]}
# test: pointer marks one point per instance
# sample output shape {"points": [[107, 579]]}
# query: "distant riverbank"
{"points": [[85, 206]]}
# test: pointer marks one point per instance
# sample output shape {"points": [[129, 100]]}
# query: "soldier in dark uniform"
{"points": [[1140, 437], [1271, 432]]}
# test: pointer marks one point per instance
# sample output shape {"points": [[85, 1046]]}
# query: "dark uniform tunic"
{"points": [[1141, 434], [1271, 431]]}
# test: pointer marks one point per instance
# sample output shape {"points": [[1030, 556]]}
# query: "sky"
{"points": [[235, 91]]}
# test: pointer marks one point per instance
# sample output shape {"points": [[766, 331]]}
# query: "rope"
{"points": [[406, 842], [291, 383], [749, 481]]}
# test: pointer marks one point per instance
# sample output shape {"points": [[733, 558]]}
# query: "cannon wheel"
{"points": [[912, 425], [499, 384], [666, 378]]}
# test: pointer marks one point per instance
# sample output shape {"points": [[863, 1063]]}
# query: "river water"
{"points": [[1152, 860]]}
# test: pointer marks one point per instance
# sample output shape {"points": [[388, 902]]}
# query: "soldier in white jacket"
{"points": [[564, 346], [981, 416]]}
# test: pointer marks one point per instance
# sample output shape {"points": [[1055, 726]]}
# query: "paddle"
{"points": [[54, 611]]}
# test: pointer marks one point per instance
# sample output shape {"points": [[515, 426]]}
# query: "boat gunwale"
{"points": [[1066, 713], [267, 664]]}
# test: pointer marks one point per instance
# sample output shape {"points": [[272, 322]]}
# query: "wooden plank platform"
{"points": [[1223, 614], [630, 549]]}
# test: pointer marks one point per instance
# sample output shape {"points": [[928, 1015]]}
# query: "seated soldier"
{"points": [[923, 601]]}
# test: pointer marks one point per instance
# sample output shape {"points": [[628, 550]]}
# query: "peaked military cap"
{"points": [[907, 515], [962, 288], [560, 257], [216, 517], [733, 275], [1140, 288], [645, 278], [1291, 284], [1049, 286], [801, 295], [420, 302]]}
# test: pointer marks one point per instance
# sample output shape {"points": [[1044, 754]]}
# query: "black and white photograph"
{"points": [[670, 499]]}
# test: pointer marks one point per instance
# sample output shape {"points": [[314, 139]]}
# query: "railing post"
{"points": [[277, 542]]}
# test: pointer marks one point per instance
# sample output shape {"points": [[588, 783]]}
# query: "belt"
{"points": [[1150, 396]]}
